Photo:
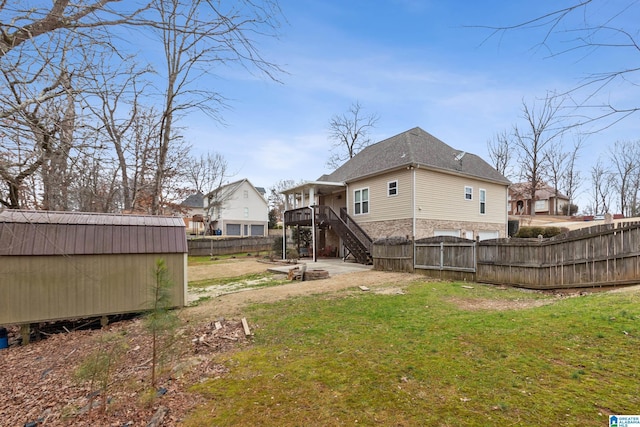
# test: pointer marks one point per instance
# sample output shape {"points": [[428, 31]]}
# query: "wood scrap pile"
{"points": [[218, 335]]}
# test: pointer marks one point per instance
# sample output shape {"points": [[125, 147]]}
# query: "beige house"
{"points": [[547, 200], [237, 209], [411, 185]]}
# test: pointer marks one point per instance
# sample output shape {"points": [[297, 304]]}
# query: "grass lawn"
{"points": [[438, 355]]}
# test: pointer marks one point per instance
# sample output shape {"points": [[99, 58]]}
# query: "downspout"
{"points": [[313, 233], [413, 202], [506, 213]]}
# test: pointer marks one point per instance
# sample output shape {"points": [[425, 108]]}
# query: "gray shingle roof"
{"points": [[194, 201], [413, 147]]}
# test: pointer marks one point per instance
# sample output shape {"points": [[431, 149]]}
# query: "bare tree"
{"points": [[198, 36], [501, 152], [23, 25], [556, 164], [588, 27], [625, 174], [50, 54], [350, 134], [207, 172], [601, 188], [533, 140], [45, 52], [277, 201], [114, 101], [571, 178]]}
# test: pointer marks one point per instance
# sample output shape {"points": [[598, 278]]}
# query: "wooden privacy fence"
{"points": [[393, 254], [446, 257], [603, 255], [231, 245]]}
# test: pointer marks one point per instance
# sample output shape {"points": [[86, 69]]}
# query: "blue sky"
{"points": [[411, 62]]}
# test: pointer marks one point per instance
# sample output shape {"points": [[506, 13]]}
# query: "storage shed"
{"points": [[66, 265]]}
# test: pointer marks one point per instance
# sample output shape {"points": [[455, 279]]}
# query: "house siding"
{"points": [[440, 205], [440, 197], [243, 213], [381, 206]]}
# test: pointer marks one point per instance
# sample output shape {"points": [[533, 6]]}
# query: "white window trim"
{"points": [[389, 188], [467, 187], [361, 201], [482, 191]]}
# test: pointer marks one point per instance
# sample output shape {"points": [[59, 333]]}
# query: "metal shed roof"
{"points": [[73, 233]]}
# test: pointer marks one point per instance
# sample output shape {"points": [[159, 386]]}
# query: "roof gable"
{"points": [[414, 147], [225, 192]]}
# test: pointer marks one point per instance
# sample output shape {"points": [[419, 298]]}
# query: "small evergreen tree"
{"points": [[160, 320], [273, 219], [98, 366]]}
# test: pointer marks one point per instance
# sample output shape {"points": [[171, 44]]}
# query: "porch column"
{"points": [[312, 196], [284, 237]]}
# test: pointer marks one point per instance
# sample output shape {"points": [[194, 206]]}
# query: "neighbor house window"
{"points": [[361, 201], [246, 212], [392, 188], [246, 194], [468, 193], [483, 201]]}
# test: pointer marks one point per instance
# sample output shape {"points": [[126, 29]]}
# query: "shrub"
{"points": [[571, 209], [276, 247], [546, 232]]}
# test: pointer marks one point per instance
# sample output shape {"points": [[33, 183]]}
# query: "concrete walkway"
{"points": [[334, 266]]}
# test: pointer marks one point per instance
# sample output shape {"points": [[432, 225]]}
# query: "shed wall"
{"points": [[44, 288]]}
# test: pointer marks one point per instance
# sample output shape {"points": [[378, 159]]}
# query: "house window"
{"points": [[246, 212], [483, 201], [392, 188], [361, 201], [246, 194], [468, 193]]}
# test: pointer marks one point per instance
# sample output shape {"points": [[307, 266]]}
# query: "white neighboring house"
{"points": [[237, 209]]}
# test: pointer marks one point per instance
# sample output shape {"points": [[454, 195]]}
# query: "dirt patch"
{"points": [[231, 305], [473, 304], [232, 267]]}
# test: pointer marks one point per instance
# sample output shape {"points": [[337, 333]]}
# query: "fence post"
{"points": [[475, 256]]}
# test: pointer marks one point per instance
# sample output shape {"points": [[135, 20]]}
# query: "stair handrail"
{"points": [[356, 229], [325, 213]]}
